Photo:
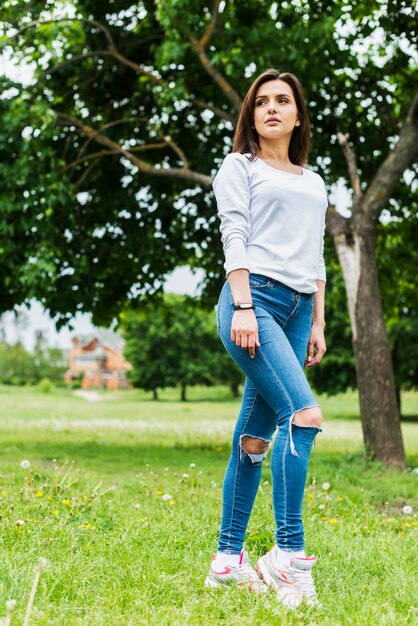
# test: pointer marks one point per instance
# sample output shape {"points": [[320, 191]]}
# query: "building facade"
{"points": [[98, 360]]}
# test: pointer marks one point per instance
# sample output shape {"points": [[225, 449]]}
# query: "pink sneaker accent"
{"points": [[292, 582], [242, 574]]}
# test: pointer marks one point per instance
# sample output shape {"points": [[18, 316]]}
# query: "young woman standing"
{"points": [[270, 318]]}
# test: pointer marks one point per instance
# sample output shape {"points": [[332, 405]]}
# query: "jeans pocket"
{"points": [[259, 281]]}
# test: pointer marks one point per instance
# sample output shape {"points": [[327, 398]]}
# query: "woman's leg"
{"points": [[256, 420], [278, 382], [288, 471]]}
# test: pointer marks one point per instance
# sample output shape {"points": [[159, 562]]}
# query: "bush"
{"points": [[45, 385]]}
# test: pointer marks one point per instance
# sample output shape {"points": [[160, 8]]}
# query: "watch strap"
{"points": [[243, 306]]}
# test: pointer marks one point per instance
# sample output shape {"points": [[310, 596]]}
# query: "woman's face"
{"points": [[275, 111]]}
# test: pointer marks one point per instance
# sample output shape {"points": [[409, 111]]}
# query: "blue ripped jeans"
{"points": [[275, 389]]}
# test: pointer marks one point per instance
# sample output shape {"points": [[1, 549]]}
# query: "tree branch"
{"points": [[204, 40], [211, 107], [336, 224], [111, 50], [352, 167], [390, 171], [199, 46], [183, 172]]}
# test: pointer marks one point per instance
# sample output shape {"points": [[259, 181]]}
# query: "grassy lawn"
{"points": [[120, 553]]}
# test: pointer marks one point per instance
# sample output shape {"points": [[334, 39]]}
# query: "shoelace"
{"points": [[305, 582]]}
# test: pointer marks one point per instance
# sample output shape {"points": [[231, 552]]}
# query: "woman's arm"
{"points": [[244, 326], [317, 346]]}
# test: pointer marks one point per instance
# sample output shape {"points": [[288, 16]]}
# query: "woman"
{"points": [[270, 318]]}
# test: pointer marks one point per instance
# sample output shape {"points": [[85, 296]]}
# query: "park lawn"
{"points": [[95, 503]]}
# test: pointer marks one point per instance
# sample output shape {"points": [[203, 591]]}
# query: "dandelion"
{"points": [[166, 497], [55, 512], [407, 510], [321, 506], [416, 470], [332, 521], [137, 506], [340, 499], [25, 464], [20, 522], [88, 526], [186, 475], [193, 465], [38, 494], [85, 498], [325, 486], [66, 502], [10, 605], [388, 520], [323, 519], [49, 497], [4, 493], [39, 568], [172, 501]]}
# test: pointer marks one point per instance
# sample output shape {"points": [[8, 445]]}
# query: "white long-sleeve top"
{"points": [[272, 222]]}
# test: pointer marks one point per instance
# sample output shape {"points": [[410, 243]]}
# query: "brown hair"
{"points": [[246, 137]]}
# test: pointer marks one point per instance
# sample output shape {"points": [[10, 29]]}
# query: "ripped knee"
{"points": [[256, 449], [308, 417]]}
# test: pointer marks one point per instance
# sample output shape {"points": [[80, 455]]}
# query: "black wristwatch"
{"points": [[243, 306]]}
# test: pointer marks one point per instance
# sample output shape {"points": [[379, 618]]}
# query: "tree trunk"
{"points": [[183, 393], [155, 394], [375, 379]]}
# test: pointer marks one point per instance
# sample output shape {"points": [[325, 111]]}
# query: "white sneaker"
{"points": [[242, 574], [292, 582]]}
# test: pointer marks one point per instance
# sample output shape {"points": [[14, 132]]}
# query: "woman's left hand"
{"points": [[316, 346]]}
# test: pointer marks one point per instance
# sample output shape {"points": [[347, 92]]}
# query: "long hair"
{"points": [[246, 137]]}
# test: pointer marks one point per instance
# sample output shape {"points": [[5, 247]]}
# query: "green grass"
{"points": [[118, 553]]}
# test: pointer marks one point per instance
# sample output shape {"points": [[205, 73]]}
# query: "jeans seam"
{"points": [[293, 311]]}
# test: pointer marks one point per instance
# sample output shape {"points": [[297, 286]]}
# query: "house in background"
{"points": [[98, 360]]}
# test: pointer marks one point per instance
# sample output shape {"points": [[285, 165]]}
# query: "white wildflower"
{"points": [[137, 506], [186, 475], [166, 497], [20, 522], [407, 510], [42, 563], [416, 470], [325, 486], [25, 464], [321, 506], [10, 605], [193, 465]]}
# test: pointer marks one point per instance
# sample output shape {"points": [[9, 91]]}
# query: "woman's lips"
{"points": [[272, 122]]}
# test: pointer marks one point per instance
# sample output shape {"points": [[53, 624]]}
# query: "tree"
{"points": [[175, 343], [174, 72]]}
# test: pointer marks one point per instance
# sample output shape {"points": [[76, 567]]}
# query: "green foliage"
{"points": [[44, 365], [45, 385], [82, 228], [173, 342]]}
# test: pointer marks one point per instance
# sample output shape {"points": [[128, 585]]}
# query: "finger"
{"points": [[311, 350], [244, 341], [233, 335]]}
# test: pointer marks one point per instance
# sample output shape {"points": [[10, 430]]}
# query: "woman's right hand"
{"points": [[244, 330]]}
